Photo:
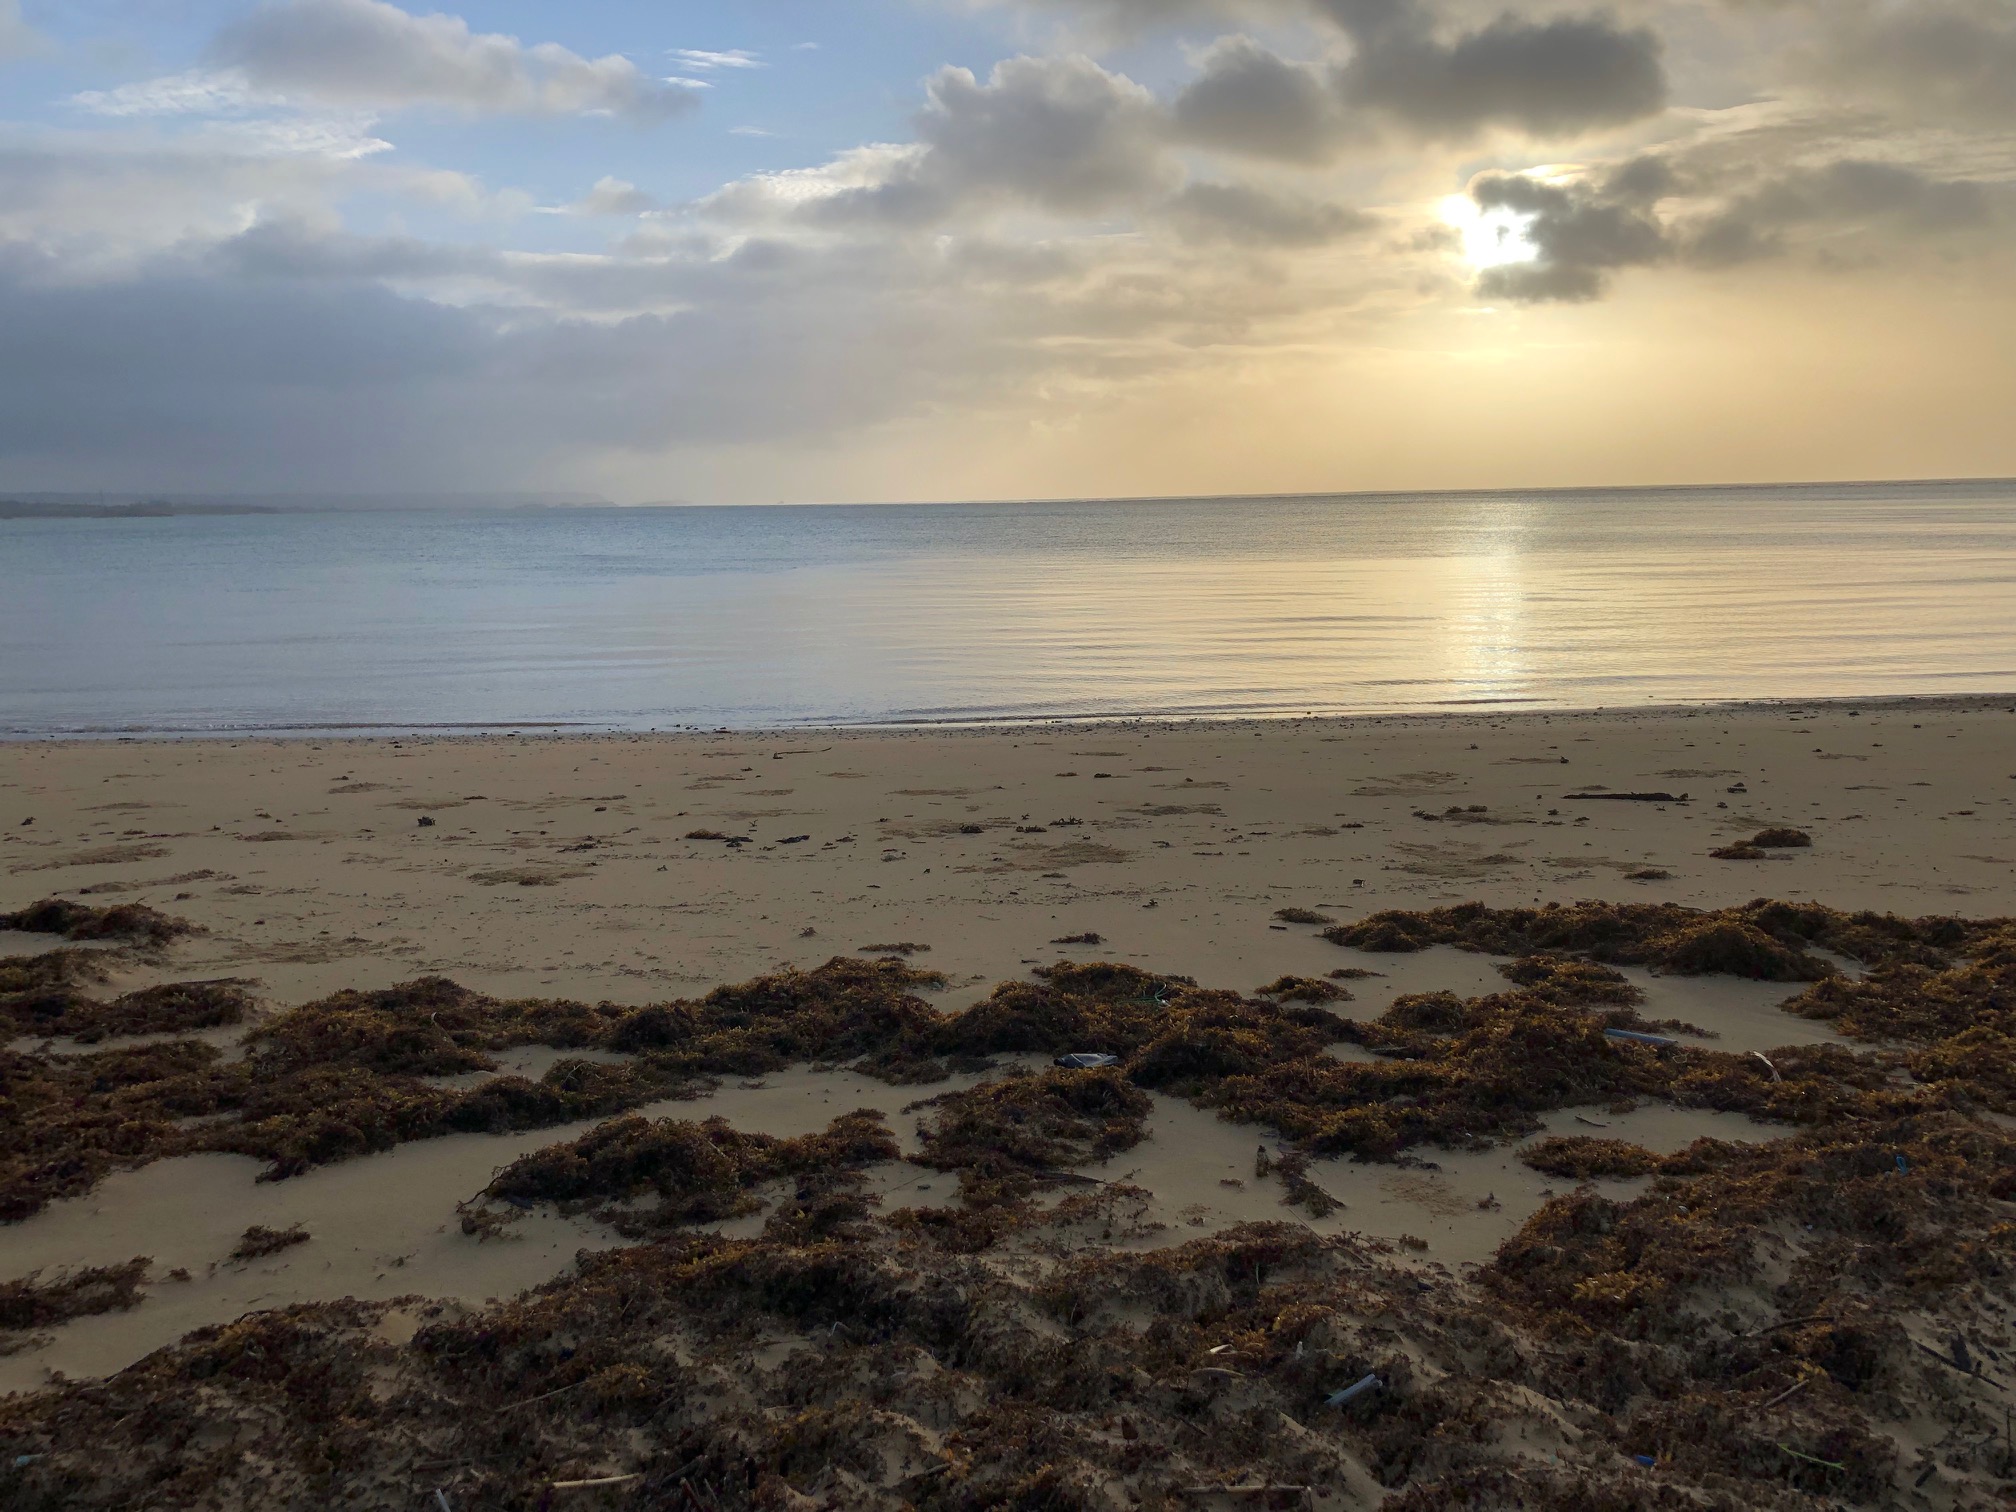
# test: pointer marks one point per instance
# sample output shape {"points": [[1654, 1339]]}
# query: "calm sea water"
{"points": [[761, 617]]}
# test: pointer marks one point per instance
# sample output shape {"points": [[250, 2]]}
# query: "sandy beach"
{"points": [[628, 871]]}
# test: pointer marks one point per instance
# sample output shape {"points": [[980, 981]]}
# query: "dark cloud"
{"points": [[1583, 232], [1580, 237], [1550, 78], [1953, 60], [1247, 99]]}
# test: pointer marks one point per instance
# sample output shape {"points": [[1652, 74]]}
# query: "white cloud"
{"points": [[196, 93], [700, 58], [370, 54], [613, 196]]}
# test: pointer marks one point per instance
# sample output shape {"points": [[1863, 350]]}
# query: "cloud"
{"points": [[1946, 58], [17, 38], [1246, 99], [614, 196], [1850, 194], [707, 62], [1241, 213], [1060, 135], [1552, 78], [1581, 232], [1579, 235], [369, 54], [1548, 78]]}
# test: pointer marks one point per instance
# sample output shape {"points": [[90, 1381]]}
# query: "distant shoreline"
{"points": [[12, 510]]}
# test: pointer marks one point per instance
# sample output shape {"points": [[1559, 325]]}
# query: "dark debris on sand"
{"points": [[1815, 1321]]}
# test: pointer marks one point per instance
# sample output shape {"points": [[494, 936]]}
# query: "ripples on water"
{"points": [[657, 618]]}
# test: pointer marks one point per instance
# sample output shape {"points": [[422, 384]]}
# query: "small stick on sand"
{"points": [[546, 1397], [1952, 1364], [1758, 1333], [1789, 1392], [600, 1480]]}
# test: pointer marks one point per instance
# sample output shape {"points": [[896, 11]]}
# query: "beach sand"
{"points": [[567, 868]]}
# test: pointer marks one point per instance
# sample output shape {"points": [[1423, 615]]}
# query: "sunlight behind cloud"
{"points": [[1491, 238]]}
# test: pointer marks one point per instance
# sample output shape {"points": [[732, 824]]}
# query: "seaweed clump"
{"points": [[131, 923], [258, 1241], [697, 1172], [32, 1303], [172, 1008], [1765, 940], [1580, 1158], [1299, 989]]}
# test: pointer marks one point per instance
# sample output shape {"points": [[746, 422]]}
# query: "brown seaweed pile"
{"points": [[869, 1368], [1767, 940], [127, 923], [696, 1172], [1813, 1321], [173, 1008], [32, 1302]]}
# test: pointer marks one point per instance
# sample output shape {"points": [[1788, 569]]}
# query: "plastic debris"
{"points": [[1352, 1392], [1656, 1041], [1649, 1461], [1086, 1060]]}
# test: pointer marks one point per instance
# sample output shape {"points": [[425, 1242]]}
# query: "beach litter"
{"points": [[1351, 1393]]}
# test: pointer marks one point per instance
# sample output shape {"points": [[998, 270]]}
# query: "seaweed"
{"points": [[258, 1241], [1580, 1158], [1746, 1324], [1298, 989], [1764, 940], [35, 1303], [1033, 1123], [698, 1172], [1781, 837], [173, 1008], [132, 923]]}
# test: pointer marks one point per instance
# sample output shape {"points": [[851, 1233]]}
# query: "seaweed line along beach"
{"points": [[751, 618]]}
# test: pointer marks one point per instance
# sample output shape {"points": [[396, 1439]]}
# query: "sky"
{"points": [[900, 250]]}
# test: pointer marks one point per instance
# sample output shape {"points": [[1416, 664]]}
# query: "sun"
{"points": [[1491, 238]]}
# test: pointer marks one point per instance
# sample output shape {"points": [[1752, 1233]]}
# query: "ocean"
{"points": [[640, 619]]}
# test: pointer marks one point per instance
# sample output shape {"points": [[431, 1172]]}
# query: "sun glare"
{"points": [[1491, 238]]}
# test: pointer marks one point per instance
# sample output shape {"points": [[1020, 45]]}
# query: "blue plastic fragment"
{"points": [[1353, 1392], [1648, 1461], [1903, 1165], [1658, 1041]]}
